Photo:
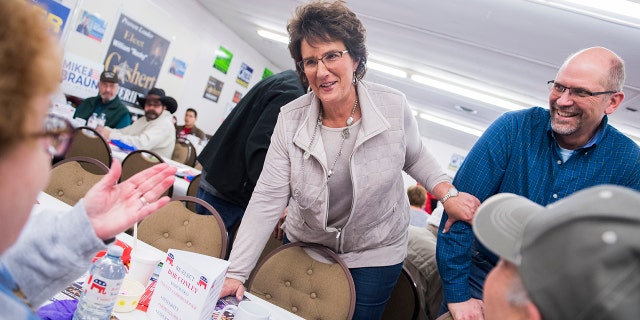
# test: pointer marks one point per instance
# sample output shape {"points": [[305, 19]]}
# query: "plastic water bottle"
{"points": [[93, 121], [101, 289], [102, 119]]}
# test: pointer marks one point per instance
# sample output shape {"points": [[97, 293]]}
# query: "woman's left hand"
{"points": [[460, 208], [112, 208]]}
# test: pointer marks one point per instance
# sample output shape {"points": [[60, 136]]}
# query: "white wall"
{"points": [[194, 36]]}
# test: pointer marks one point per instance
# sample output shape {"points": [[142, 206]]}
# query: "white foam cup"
{"points": [[142, 267]]}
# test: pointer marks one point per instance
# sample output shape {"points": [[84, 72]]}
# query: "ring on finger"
{"points": [[144, 201]]}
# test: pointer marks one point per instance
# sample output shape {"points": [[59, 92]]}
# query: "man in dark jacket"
{"points": [[107, 102], [233, 158]]}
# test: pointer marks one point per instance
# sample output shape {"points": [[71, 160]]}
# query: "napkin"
{"points": [[58, 310], [123, 146]]}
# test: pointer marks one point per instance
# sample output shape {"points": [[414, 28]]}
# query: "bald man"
{"points": [[543, 155]]}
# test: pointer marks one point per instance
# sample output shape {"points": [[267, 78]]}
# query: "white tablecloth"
{"points": [[49, 202]]}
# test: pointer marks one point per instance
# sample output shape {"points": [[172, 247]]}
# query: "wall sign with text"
{"points": [[136, 53]]}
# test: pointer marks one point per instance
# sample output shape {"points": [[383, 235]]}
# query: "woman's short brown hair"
{"points": [[30, 66], [324, 21]]}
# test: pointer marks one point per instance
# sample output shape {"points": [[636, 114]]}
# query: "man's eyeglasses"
{"points": [[578, 92], [328, 59], [58, 133]]}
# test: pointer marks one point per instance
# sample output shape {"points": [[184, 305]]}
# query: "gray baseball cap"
{"points": [[579, 258]]}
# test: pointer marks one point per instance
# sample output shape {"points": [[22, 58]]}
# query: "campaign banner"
{"points": [[80, 76], [236, 97], [244, 75], [223, 59], [136, 54], [178, 67], [266, 73], [91, 26], [56, 13], [213, 89]]}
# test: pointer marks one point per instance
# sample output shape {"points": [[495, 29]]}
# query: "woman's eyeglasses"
{"points": [[57, 134], [328, 59]]}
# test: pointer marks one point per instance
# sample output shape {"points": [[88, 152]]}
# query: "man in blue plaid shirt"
{"points": [[543, 155]]}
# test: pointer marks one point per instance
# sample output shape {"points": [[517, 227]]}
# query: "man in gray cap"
{"points": [[578, 258], [107, 102], [154, 132]]}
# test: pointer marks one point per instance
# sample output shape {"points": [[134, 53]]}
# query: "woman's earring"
{"points": [[355, 79]]}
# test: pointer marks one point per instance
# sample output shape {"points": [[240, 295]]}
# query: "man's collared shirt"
{"points": [[518, 154]]}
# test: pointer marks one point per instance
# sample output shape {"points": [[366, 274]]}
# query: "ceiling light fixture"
{"points": [[387, 69], [622, 12], [620, 7], [450, 124], [467, 92], [273, 36]]}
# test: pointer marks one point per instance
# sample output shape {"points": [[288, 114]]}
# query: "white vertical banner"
{"points": [[80, 76]]}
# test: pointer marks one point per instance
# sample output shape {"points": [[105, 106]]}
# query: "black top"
{"points": [[233, 158]]}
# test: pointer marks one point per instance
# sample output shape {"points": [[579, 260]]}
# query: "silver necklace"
{"points": [[346, 132]]}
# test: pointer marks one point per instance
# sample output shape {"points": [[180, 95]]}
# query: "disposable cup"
{"points": [[247, 310], [129, 296], [142, 267]]}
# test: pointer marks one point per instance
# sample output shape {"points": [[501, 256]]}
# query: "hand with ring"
{"points": [[144, 201], [113, 208]]}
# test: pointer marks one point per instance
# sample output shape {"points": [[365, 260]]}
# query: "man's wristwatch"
{"points": [[453, 192]]}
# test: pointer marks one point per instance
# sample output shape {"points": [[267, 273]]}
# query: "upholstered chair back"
{"points": [[174, 226], [88, 143], [308, 280], [71, 178]]}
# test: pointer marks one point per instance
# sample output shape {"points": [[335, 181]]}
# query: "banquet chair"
{"points": [[139, 160], [192, 190], [176, 227], [184, 152], [445, 316], [70, 179], [87, 142], [404, 302], [308, 280]]}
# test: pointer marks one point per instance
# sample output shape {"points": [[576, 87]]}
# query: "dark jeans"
{"points": [[480, 268], [373, 289], [230, 213]]}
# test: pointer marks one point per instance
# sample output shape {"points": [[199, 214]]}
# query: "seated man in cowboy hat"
{"points": [[154, 132]]}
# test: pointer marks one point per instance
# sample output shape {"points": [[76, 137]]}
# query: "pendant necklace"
{"points": [[346, 132]]}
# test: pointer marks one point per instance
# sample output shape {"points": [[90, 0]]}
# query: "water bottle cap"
{"points": [[115, 251]]}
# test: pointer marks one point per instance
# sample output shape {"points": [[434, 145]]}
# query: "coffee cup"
{"points": [[247, 310]]}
